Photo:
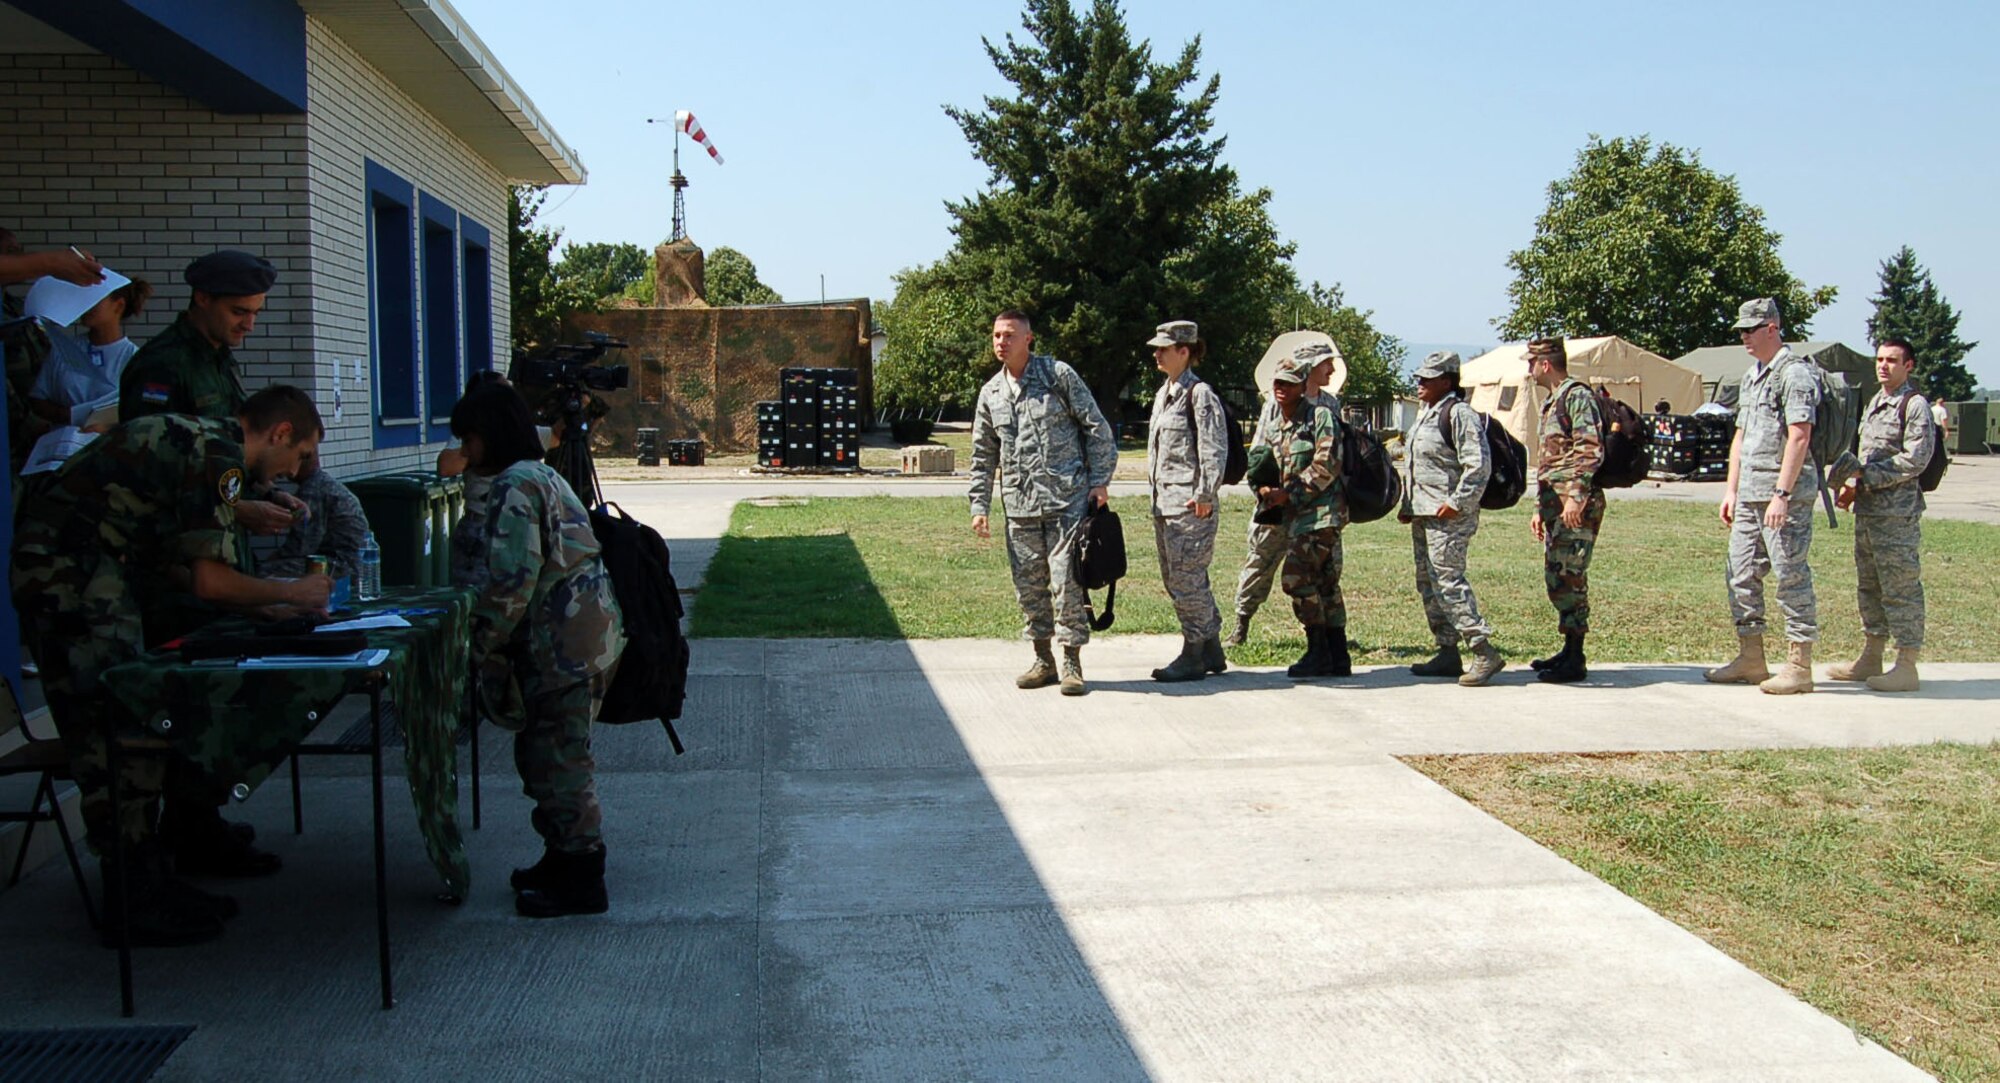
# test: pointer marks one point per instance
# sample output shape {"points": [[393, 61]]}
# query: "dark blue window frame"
{"points": [[392, 307], [476, 271], [438, 268]]}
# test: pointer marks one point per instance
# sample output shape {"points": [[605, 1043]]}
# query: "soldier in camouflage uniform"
{"points": [[150, 502], [26, 346], [1305, 443], [1038, 425], [1445, 455], [1268, 542], [1898, 438], [1187, 447], [1768, 529], [334, 527], [1569, 507], [546, 635]]}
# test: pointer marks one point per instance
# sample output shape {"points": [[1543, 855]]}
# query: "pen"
{"points": [[79, 255]]}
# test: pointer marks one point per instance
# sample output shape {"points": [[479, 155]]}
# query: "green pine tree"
{"points": [[1910, 307]]}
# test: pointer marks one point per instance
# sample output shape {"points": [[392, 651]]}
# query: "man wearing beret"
{"points": [[188, 369]]}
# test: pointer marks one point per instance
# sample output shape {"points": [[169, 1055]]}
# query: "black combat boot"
{"points": [[204, 844], [1339, 664], [537, 875], [1317, 661], [571, 884], [1569, 665], [1445, 663], [1211, 655], [1560, 657], [160, 912], [1189, 665]]}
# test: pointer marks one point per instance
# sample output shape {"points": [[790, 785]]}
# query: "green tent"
{"points": [[1722, 367]]}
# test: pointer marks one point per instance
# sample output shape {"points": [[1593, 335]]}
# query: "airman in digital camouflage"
{"points": [[1445, 457], [1187, 445], [1305, 444], [1769, 530], [546, 636], [147, 507], [1037, 423], [1569, 507], [1882, 488], [1268, 542]]}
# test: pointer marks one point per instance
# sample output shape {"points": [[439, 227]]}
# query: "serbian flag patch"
{"points": [[159, 393]]}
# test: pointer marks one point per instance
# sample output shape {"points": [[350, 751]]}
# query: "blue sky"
{"points": [[1409, 146]]}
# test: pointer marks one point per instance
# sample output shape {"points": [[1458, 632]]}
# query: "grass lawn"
{"points": [[1865, 881], [910, 568]]}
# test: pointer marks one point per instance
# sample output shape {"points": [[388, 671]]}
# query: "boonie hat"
{"points": [[1314, 353], [1756, 312], [1293, 370], [230, 273], [1175, 333], [1441, 363]]}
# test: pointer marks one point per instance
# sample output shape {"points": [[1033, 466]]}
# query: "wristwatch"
{"points": [[1786, 493]]}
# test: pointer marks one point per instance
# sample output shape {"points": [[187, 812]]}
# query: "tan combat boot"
{"points": [[1864, 667], [1043, 672], [1903, 678], [1486, 662], [1072, 672], [1795, 676], [1747, 667]]}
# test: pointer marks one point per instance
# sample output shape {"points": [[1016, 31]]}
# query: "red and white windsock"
{"points": [[685, 120]]}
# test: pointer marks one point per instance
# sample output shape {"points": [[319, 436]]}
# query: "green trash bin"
{"points": [[398, 507]]}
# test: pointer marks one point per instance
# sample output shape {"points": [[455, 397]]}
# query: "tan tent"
{"points": [[1498, 385]]}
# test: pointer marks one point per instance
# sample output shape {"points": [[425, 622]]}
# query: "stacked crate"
{"points": [[839, 418], [685, 453], [1691, 446], [648, 444], [799, 388], [771, 433]]}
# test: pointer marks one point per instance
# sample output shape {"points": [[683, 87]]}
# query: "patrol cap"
{"points": [[1175, 333], [1441, 363], [230, 273], [1756, 312], [1553, 347], [1313, 354], [1293, 370]]}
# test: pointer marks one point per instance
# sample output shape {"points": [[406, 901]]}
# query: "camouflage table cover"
{"points": [[238, 725]]}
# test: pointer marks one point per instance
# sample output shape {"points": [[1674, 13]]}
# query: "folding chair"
{"points": [[46, 758]]}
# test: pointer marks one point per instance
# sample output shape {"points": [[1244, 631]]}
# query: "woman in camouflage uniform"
{"points": [[546, 636], [1448, 468], [1187, 446]]}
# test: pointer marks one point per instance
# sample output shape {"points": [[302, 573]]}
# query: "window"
{"points": [[1508, 392], [476, 270], [392, 302], [440, 326]]}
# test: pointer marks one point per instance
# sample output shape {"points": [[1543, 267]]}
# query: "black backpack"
{"points": [[651, 682], [1507, 458], [1628, 453], [1238, 461], [1368, 480], [1098, 562], [1933, 472]]}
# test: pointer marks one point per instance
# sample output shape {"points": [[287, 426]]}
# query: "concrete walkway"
{"points": [[882, 861]]}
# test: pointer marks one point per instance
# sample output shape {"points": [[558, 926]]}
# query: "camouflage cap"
{"points": [[1175, 333], [1295, 369], [1756, 312], [230, 273], [1441, 363], [1313, 354]]}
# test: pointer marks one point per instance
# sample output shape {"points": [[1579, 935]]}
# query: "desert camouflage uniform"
{"points": [[1572, 432], [1051, 447], [546, 637], [1446, 469], [1187, 447], [336, 530], [178, 371], [127, 513], [1775, 396], [1268, 541], [1308, 449], [1898, 437]]}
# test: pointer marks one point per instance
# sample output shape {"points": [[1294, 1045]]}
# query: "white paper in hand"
{"points": [[62, 304]]}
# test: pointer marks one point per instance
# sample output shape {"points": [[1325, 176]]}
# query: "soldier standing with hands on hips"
{"points": [[1038, 425], [1898, 438], [1569, 507], [1187, 444], [1448, 467]]}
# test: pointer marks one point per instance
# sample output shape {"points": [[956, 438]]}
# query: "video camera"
{"points": [[573, 366]]}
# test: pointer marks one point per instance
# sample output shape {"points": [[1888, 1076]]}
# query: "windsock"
{"points": [[688, 124]]}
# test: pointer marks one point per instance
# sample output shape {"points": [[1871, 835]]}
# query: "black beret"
{"points": [[230, 273]]}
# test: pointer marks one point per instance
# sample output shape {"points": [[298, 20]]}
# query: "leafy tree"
{"points": [[541, 297], [731, 279], [937, 350], [1373, 359], [1107, 209], [600, 271], [1910, 307], [1646, 243]]}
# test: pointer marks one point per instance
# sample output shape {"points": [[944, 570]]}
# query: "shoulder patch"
{"points": [[230, 488], [159, 393]]}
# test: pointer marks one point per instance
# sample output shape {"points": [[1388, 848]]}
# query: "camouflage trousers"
{"points": [[1440, 547], [1311, 578], [1268, 545], [1886, 565], [552, 753], [1566, 557], [1038, 551], [1755, 551], [1186, 546]]}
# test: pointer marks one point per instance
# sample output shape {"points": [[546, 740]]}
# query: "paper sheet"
{"points": [[62, 304], [362, 624], [55, 446], [361, 659]]}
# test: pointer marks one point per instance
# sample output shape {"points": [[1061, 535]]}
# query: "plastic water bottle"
{"points": [[368, 571]]}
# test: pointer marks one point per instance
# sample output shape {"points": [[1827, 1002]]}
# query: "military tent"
{"points": [[1497, 382], [1722, 367]]}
